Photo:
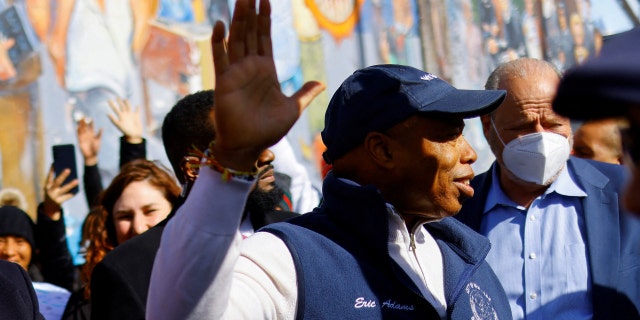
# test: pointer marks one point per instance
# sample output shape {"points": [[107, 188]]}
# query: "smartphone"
{"points": [[64, 157]]}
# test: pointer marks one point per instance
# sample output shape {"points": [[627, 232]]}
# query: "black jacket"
{"points": [[18, 300], [120, 282]]}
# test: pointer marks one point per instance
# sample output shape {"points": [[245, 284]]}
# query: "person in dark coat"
{"points": [[18, 245], [18, 300], [120, 282]]}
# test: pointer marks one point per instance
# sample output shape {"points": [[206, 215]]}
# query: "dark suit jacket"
{"points": [[18, 300], [613, 236], [120, 282]]}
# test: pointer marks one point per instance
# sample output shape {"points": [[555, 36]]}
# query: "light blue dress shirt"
{"points": [[539, 254]]}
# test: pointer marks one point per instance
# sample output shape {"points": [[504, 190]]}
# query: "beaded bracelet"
{"points": [[209, 160]]}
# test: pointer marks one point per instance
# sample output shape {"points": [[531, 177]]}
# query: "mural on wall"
{"points": [[64, 60]]}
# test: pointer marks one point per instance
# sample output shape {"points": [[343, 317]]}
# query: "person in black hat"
{"points": [[609, 86], [18, 245], [381, 244], [17, 240]]}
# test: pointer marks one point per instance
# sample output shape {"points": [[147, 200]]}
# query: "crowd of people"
{"points": [[404, 229]]}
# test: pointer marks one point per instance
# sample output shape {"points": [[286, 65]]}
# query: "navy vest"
{"points": [[344, 270]]}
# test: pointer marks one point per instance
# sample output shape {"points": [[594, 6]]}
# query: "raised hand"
{"points": [[127, 120], [88, 141], [251, 112], [55, 193]]}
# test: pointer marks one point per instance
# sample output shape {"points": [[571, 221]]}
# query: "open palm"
{"points": [[251, 112]]}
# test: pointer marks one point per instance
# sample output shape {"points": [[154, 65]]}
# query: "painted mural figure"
{"points": [[490, 29], [397, 25], [21, 144], [531, 30], [506, 33], [169, 75], [580, 50], [565, 40], [559, 49], [592, 36], [468, 60], [510, 23], [94, 49]]}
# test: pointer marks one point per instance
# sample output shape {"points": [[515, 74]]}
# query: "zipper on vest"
{"points": [[412, 242]]}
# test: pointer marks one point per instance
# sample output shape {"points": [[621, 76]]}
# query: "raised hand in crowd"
{"points": [[56, 193], [248, 96], [88, 141], [127, 119]]}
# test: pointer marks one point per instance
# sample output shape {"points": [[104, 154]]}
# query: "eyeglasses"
{"points": [[631, 148]]}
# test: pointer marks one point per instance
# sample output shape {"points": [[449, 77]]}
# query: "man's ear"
{"points": [[190, 167], [379, 147]]}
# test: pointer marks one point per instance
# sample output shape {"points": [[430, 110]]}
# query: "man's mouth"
{"points": [[464, 185], [267, 174]]}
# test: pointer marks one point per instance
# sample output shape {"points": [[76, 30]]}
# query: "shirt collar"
{"points": [[564, 185]]}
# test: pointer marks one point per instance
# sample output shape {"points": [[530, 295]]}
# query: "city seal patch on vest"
{"points": [[480, 303]]}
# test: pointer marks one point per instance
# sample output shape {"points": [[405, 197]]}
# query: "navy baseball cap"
{"points": [[605, 85], [378, 97]]}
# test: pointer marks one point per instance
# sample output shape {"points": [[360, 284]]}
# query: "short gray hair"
{"points": [[519, 68]]}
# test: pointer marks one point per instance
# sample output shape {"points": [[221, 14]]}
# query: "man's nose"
{"points": [[468, 155], [265, 158]]}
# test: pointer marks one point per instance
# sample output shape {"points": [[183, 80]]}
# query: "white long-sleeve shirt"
{"points": [[204, 270]]}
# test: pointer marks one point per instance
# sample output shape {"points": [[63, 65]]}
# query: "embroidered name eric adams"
{"points": [[361, 302]]}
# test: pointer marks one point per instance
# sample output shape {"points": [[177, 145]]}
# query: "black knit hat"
{"points": [[15, 222]]}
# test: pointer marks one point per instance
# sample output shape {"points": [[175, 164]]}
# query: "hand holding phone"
{"points": [[64, 157]]}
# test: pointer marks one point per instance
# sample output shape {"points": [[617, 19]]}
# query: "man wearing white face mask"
{"points": [[561, 245]]}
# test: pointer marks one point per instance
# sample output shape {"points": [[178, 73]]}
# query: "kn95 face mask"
{"points": [[536, 157]]}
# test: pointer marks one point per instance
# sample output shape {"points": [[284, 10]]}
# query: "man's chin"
{"points": [[266, 187]]}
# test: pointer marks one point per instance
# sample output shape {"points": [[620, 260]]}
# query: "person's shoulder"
{"points": [[12, 271], [598, 170], [17, 296], [459, 235]]}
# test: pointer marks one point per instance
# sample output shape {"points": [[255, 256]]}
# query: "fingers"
{"points": [[307, 93], [113, 104], [49, 181], [57, 182], [237, 29], [264, 29], [65, 190], [114, 117], [121, 107], [251, 34], [219, 48]]}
